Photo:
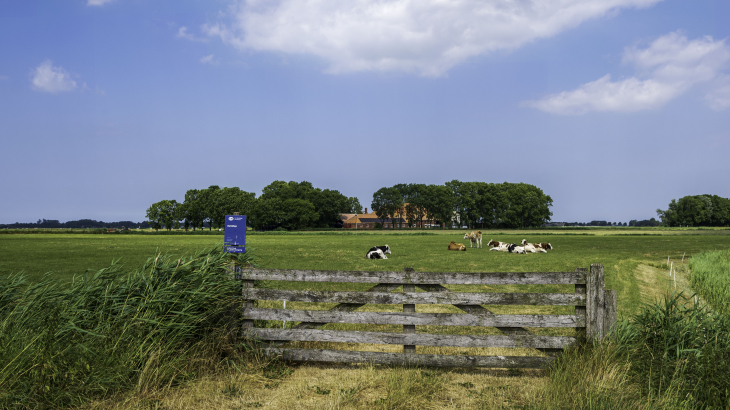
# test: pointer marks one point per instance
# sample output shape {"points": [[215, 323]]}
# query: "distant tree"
{"points": [[328, 204], [415, 200], [298, 213], [193, 208], [169, 212], [211, 199], [235, 200], [267, 213], [353, 206], [697, 210], [440, 204], [387, 203], [527, 206], [162, 213], [154, 216]]}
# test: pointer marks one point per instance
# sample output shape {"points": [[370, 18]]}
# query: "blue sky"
{"points": [[612, 107]]}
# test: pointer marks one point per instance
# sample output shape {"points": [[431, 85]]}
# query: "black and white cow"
{"points": [[498, 246], [512, 248], [384, 248], [378, 252]]}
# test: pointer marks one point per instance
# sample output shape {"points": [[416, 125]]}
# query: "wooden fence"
{"points": [[594, 315]]}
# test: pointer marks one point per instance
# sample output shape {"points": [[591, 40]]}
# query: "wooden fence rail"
{"points": [[595, 314]]}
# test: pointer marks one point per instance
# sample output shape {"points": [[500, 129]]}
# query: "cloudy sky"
{"points": [[612, 107]]}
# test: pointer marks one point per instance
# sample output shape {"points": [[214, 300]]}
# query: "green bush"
{"points": [[113, 331]]}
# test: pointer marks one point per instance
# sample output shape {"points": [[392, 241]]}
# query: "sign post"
{"points": [[234, 236], [234, 241]]}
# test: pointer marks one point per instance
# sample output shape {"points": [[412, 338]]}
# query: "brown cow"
{"points": [[453, 246]]}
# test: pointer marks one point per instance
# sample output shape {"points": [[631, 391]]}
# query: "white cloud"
{"points": [[51, 79], [209, 60], [97, 2], [427, 37], [668, 67], [603, 95], [182, 32]]}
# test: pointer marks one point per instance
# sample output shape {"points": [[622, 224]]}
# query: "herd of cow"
{"points": [[475, 240]]}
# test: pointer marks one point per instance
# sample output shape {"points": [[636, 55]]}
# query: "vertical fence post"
{"points": [[580, 311], [609, 320], [247, 304], [409, 308], [595, 307]]}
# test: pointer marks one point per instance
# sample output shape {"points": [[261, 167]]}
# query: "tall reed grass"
{"points": [[673, 354], [711, 278], [114, 330]]}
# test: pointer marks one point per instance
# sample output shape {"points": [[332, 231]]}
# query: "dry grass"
{"points": [[348, 387]]}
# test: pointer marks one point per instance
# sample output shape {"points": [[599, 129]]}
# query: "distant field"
{"points": [[626, 254]]}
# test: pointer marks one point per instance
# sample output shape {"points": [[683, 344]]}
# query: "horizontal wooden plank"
{"points": [[432, 360], [455, 278], [420, 339], [348, 307], [418, 319], [450, 298]]}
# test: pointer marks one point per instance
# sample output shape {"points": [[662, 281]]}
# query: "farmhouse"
{"points": [[368, 221]]}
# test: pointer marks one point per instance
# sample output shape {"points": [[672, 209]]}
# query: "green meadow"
{"points": [[628, 255], [152, 332]]}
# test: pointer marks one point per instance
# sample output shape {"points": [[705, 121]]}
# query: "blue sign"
{"points": [[235, 232]]}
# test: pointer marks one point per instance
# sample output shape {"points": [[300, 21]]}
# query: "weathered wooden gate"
{"points": [[594, 315]]}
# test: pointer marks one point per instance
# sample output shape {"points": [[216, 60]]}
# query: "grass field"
{"points": [[628, 255], [635, 265]]}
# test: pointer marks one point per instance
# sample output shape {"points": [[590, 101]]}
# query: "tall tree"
{"points": [[267, 213], [235, 200], [353, 206], [440, 204], [193, 208], [387, 203], [298, 213], [163, 213], [697, 210], [154, 216], [211, 201]]}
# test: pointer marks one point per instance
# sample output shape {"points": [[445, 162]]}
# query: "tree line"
{"points": [[697, 210], [287, 205], [81, 223], [472, 204]]}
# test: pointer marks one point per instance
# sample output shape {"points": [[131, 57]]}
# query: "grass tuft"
{"points": [[112, 331]]}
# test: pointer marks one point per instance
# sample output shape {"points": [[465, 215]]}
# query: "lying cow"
{"points": [[539, 247], [453, 246], [512, 248], [532, 247], [375, 253], [474, 238], [498, 246], [385, 249]]}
